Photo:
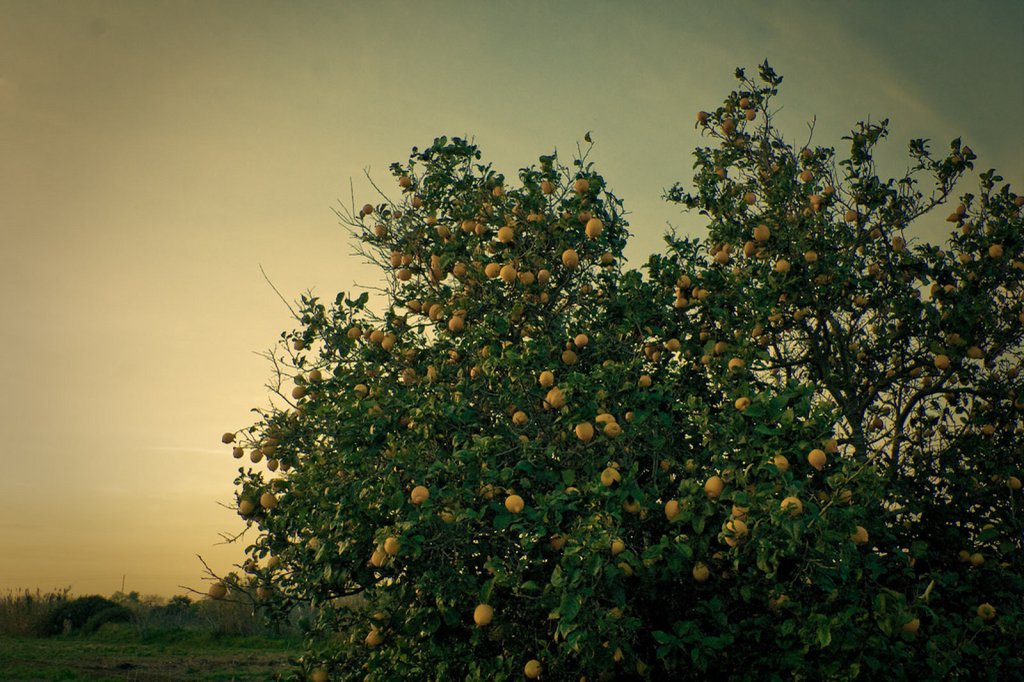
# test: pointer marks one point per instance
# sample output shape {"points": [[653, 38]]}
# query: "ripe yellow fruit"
{"points": [[793, 505], [737, 527], [246, 507], [237, 453], [509, 274], [986, 611], [546, 379], [492, 270], [557, 542], [581, 185], [570, 259], [585, 431], [671, 509], [217, 591], [781, 462], [392, 545], [995, 251], [811, 256], [714, 486], [482, 615], [860, 536], [644, 381], [816, 458], [806, 176], [568, 357], [519, 418], [742, 403], [581, 340], [456, 324], [514, 503], [912, 626], [702, 117], [762, 233], [419, 495], [555, 398], [547, 187], [594, 228], [610, 477], [319, 675], [268, 500], [532, 668], [506, 234], [782, 266], [1013, 483], [942, 362], [374, 638], [736, 364], [977, 559], [298, 392], [701, 572], [612, 429], [377, 558]]}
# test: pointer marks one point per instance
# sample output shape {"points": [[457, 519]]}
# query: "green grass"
{"points": [[117, 653]]}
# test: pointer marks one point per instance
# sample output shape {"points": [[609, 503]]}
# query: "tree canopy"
{"points": [[790, 448]]}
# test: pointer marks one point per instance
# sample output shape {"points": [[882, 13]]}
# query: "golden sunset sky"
{"points": [[153, 155]]}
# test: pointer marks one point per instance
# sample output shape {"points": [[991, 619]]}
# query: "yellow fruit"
{"points": [[860, 536], [506, 234], [1013, 482], [782, 266], [319, 675], [811, 256], [581, 185], [555, 398], [298, 392], [610, 477], [612, 429], [995, 251], [482, 615], [816, 458], [237, 453], [514, 503], [519, 418], [374, 638], [581, 340], [246, 507], [986, 611], [557, 542], [547, 187], [737, 527], [781, 462], [594, 228], [585, 431], [546, 379], [806, 176], [391, 546], [377, 558], [671, 509], [456, 324], [793, 505], [912, 626], [217, 591], [644, 381], [492, 270], [701, 572], [419, 495], [618, 547], [762, 233], [736, 364], [714, 486], [570, 259], [509, 274], [532, 668], [942, 362], [977, 559], [227, 438], [268, 500], [742, 403], [568, 357]]}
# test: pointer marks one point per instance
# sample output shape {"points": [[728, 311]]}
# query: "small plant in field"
{"points": [[789, 449]]}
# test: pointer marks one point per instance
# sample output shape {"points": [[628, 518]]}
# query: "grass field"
{"points": [[117, 653]]}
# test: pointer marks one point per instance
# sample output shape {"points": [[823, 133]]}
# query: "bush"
{"points": [[72, 615], [24, 613], [791, 449], [114, 614]]}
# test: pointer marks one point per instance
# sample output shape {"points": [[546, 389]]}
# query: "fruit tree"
{"points": [[791, 448]]}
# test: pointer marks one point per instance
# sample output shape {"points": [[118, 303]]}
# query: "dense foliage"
{"points": [[789, 449]]}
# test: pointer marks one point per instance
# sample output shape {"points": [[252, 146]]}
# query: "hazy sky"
{"points": [[154, 154]]}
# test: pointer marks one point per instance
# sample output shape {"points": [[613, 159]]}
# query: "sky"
{"points": [[155, 155]]}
